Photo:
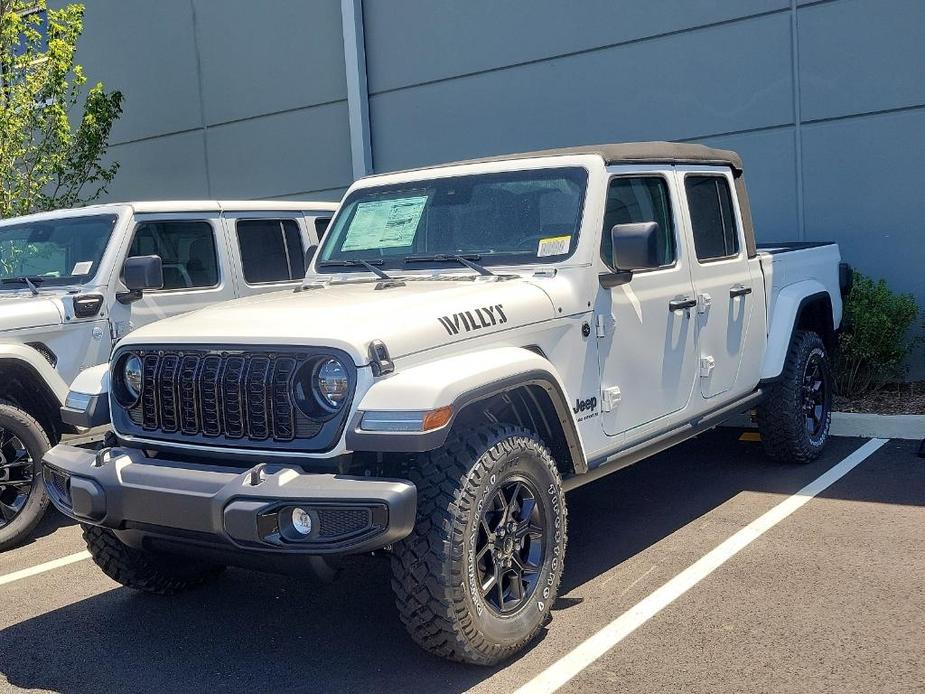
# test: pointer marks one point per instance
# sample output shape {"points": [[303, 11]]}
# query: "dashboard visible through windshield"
{"points": [[509, 218], [53, 252]]}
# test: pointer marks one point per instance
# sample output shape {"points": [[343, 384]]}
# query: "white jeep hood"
{"points": [[19, 312], [424, 313]]}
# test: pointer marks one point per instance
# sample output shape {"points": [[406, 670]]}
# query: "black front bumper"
{"points": [[224, 509]]}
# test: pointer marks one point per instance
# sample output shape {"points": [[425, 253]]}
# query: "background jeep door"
{"points": [[647, 350], [195, 257]]}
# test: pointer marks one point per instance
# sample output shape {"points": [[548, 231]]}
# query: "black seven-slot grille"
{"points": [[235, 395]]}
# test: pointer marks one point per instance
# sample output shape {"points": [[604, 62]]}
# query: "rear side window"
{"points": [[635, 199], [321, 226], [712, 217], [187, 250], [271, 250]]}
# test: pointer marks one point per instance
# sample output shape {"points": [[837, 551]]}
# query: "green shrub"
{"points": [[875, 342]]}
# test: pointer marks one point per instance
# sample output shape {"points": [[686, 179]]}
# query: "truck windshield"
{"points": [[523, 217], [53, 252]]}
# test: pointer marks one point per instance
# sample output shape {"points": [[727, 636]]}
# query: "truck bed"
{"points": [[814, 264]]}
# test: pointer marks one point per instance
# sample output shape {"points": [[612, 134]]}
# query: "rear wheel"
{"points": [[23, 501], [151, 572], [476, 579], [794, 421]]}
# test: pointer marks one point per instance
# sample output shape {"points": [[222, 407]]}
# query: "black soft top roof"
{"points": [[634, 153]]}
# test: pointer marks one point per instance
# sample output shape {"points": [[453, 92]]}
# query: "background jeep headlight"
{"points": [[331, 383]]}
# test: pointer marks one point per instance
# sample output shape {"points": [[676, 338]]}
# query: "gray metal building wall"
{"points": [[223, 98], [824, 99]]}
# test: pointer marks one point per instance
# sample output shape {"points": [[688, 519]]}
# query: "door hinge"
{"points": [[601, 327], [707, 364], [611, 398], [704, 301]]}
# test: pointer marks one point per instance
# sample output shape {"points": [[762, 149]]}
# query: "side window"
{"points": [[321, 226], [186, 248], [712, 217], [635, 199], [271, 250]]}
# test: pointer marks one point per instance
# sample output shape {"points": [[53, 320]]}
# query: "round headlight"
{"points": [[131, 373], [331, 383], [127, 379]]}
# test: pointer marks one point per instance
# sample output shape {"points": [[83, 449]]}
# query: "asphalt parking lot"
{"points": [[829, 599]]}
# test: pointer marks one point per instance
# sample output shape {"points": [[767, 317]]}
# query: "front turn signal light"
{"points": [[437, 418]]}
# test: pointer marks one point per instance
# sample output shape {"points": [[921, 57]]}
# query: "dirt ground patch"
{"points": [[893, 398]]}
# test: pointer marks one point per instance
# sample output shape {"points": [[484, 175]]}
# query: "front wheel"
{"points": [[476, 579], [794, 421], [23, 501]]}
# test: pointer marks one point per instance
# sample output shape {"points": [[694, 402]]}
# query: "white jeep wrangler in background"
{"points": [[63, 304], [470, 341]]}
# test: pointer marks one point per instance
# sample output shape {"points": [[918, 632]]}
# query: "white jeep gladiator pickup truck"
{"points": [[64, 302], [471, 341]]}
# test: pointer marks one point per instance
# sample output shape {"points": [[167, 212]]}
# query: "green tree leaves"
{"points": [[51, 150]]}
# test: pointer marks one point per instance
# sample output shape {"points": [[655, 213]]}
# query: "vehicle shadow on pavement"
{"points": [[266, 632]]}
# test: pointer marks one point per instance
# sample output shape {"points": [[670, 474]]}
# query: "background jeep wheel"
{"points": [[162, 574], [23, 501], [477, 577], [794, 421]]}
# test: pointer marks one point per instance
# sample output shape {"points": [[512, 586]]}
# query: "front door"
{"points": [[195, 257], [721, 275], [647, 351]]}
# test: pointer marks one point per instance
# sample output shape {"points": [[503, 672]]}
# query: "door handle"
{"points": [[680, 304], [739, 290]]}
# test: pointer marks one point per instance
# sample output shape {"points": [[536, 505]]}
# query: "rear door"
{"points": [[268, 250], [196, 263], [719, 268]]}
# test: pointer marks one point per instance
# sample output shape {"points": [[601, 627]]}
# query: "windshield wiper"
{"points": [[388, 280], [466, 260], [28, 281]]}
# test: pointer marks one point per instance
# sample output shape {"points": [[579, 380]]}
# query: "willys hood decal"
{"points": [[417, 316]]}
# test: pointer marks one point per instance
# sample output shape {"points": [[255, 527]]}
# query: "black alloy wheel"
{"points": [[510, 548], [815, 395], [16, 476]]}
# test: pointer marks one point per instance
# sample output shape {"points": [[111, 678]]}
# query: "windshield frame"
{"points": [[396, 264], [64, 280]]}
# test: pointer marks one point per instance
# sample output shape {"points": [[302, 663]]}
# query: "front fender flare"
{"points": [[35, 362], [459, 381]]}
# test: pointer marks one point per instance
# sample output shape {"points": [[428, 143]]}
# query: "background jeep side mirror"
{"points": [[634, 247], [139, 273]]}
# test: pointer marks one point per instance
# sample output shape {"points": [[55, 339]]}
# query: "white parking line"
{"points": [[587, 652], [42, 568]]}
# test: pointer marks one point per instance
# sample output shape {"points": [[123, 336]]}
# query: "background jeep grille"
{"points": [[236, 395]]}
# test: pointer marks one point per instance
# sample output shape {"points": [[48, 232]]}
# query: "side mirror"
{"points": [[139, 273], [309, 254], [634, 247]]}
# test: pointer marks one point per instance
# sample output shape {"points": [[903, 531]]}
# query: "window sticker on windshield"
{"points": [[82, 268], [384, 224], [553, 245]]}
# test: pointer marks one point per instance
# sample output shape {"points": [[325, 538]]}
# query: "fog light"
{"points": [[301, 521]]}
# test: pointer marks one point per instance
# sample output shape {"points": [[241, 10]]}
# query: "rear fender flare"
{"points": [[788, 305]]}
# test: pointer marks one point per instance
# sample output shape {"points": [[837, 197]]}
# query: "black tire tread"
{"points": [[428, 597], [38, 510], [142, 570], [779, 422]]}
